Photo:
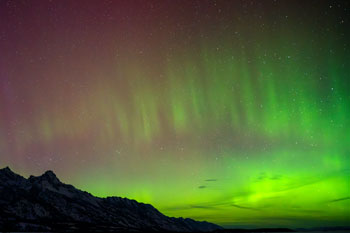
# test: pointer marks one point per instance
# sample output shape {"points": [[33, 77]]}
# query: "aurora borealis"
{"points": [[234, 112]]}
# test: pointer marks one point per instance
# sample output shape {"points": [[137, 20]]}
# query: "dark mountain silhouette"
{"points": [[44, 203]]}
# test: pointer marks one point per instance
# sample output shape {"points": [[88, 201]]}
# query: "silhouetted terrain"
{"points": [[254, 230], [44, 203], [325, 229]]}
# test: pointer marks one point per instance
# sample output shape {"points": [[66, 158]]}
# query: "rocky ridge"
{"points": [[44, 203]]}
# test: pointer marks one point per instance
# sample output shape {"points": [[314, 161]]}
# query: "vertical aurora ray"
{"points": [[237, 111]]}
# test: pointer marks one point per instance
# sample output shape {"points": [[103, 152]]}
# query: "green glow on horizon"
{"points": [[298, 170], [242, 127]]}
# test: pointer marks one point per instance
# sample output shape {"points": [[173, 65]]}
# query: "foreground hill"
{"points": [[44, 203]]}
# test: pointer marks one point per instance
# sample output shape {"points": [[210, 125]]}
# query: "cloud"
{"points": [[211, 180], [263, 176], [244, 207], [340, 199], [202, 207], [187, 207], [276, 177]]}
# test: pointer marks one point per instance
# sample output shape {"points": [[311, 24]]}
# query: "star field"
{"points": [[234, 112]]}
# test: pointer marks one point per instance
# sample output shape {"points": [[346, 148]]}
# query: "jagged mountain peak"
{"points": [[43, 203], [50, 174], [6, 170], [7, 176], [6, 173], [48, 177]]}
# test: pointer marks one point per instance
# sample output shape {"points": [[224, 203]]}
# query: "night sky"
{"points": [[234, 112]]}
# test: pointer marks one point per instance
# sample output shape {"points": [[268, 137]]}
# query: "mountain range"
{"points": [[44, 203]]}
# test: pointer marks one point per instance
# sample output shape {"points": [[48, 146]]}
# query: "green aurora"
{"points": [[241, 119]]}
